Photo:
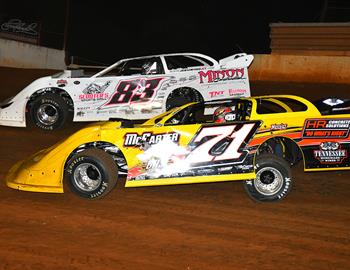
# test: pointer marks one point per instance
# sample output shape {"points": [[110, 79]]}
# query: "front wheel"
{"points": [[49, 111], [273, 179], [91, 174]]}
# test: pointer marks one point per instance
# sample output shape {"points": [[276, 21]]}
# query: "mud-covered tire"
{"points": [[91, 174], [182, 96], [273, 179], [49, 111]]}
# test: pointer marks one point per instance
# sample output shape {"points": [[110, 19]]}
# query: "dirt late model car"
{"points": [[135, 88], [259, 140]]}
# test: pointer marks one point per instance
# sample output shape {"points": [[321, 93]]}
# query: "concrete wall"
{"points": [[23, 55], [300, 68]]}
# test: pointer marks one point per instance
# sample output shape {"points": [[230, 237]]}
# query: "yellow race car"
{"points": [[253, 139]]}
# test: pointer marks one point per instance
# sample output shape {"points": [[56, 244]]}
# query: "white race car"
{"points": [[134, 88]]}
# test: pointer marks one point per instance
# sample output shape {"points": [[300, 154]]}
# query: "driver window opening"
{"points": [[238, 110]]}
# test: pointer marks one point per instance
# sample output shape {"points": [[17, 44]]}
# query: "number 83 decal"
{"points": [[221, 143], [129, 91]]}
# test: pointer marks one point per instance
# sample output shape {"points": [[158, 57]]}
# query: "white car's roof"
{"points": [[171, 54], [156, 55]]}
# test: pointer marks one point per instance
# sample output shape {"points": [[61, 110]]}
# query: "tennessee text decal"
{"points": [[212, 76], [330, 152], [326, 128]]}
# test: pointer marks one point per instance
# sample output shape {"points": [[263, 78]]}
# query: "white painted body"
{"points": [[95, 98]]}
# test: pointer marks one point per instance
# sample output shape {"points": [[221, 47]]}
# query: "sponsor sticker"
{"points": [[326, 128], [278, 126], [213, 76], [134, 139], [330, 153], [237, 92], [61, 83], [216, 93]]}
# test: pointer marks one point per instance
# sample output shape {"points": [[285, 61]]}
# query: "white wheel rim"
{"points": [[268, 181], [47, 114], [87, 177]]}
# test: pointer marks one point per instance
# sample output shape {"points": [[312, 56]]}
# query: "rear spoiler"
{"points": [[239, 60]]}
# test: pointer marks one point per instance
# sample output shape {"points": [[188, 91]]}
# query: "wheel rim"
{"points": [[47, 114], [268, 181], [87, 177]]}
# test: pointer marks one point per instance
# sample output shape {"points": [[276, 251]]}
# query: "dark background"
{"points": [[101, 32]]}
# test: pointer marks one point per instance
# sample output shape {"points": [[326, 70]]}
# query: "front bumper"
{"points": [[13, 117], [21, 178]]}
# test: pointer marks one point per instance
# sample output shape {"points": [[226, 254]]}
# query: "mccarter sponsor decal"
{"points": [[133, 139], [211, 76]]}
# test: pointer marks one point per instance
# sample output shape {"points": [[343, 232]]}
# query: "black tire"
{"points": [[100, 170], [182, 96], [273, 181], [49, 111]]}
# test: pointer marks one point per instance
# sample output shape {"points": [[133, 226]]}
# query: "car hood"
{"points": [[69, 74]]}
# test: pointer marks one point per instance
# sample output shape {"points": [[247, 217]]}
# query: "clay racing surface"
{"points": [[202, 226]]}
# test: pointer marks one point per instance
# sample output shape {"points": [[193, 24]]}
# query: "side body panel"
{"points": [[188, 154]]}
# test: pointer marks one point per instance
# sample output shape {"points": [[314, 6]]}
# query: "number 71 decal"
{"points": [[221, 143]]}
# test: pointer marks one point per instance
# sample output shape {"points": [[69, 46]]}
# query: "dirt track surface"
{"points": [[203, 226]]}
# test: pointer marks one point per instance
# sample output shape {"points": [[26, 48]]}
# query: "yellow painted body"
{"points": [[44, 171]]}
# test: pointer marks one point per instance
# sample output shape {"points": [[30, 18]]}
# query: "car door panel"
{"points": [[190, 153]]}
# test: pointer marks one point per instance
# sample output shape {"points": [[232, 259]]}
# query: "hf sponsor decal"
{"points": [[213, 76], [95, 91], [136, 90], [326, 128], [135, 140], [330, 153]]}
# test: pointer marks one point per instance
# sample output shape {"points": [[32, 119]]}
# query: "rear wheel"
{"points": [[91, 174], [273, 179], [49, 111], [182, 96]]}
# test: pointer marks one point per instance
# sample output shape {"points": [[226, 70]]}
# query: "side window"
{"points": [[295, 105], [145, 66], [204, 113], [265, 106], [183, 61]]}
